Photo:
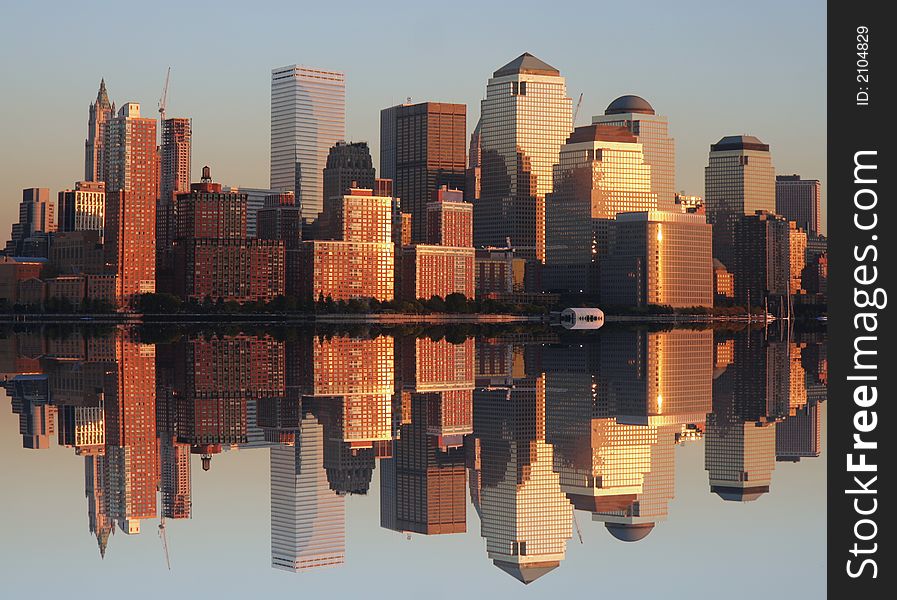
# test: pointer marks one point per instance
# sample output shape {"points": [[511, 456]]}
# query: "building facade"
{"points": [[526, 117], [601, 171], [799, 200], [761, 263], [131, 172], [174, 175], [659, 258], [652, 132], [308, 116], [349, 165], [429, 152], [84, 208], [100, 112], [738, 180], [35, 221]]}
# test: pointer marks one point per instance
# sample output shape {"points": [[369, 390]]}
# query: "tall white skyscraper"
{"points": [[308, 116], [308, 519]]}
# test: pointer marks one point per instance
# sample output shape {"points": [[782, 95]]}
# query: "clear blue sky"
{"points": [[713, 68]]}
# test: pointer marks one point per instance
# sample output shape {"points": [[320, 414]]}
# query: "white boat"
{"points": [[582, 318]]}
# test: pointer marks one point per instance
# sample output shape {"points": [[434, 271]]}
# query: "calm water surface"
{"points": [[623, 463]]}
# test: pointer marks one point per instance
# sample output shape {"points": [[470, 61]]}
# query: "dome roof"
{"points": [[629, 532], [629, 104]]}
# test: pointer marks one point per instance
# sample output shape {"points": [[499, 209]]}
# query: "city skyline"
{"points": [[744, 108]]}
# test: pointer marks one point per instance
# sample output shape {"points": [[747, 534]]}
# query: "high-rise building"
{"points": [[100, 112], [799, 200], [739, 180], [428, 153], [349, 165], [739, 457], [35, 220], [761, 264], [651, 131], [356, 259], [525, 118], [308, 116], [281, 219], [474, 164], [131, 176], [84, 208], [601, 171], [255, 201], [797, 256], [308, 520], [174, 176], [212, 255], [449, 219], [388, 140], [660, 258]]}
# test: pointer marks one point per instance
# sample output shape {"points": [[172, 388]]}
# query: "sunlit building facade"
{"points": [[429, 151], [132, 185], [660, 258], [651, 131], [526, 116], [100, 112], [601, 171], [84, 208]]}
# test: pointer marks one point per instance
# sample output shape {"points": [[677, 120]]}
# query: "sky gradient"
{"points": [[713, 68]]}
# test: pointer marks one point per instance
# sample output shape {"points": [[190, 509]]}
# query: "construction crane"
{"points": [[578, 531], [575, 112], [163, 101], [164, 542]]}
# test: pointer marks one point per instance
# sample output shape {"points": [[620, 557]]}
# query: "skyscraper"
{"points": [[659, 258], [601, 171], [739, 180], [388, 140], [131, 191], [100, 112], [348, 165], [308, 116], [526, 116], [761, 262], [651, 131], [35, 217], [429, 152], [84, 208], [174, 176], [308, 520], [799, 200]]}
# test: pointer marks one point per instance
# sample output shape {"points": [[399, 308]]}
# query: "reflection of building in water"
{"points": [[174, 465], [130, 416], [422, 486], [349, 389], [308, 521], [739, 456], [797, 378], [615, 412], [749, 396], [30, 395], [525, 517], [95, 489], [215, 378], [798, 436]]}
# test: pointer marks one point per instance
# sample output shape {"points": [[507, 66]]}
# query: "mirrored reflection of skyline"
{"points": [[540, 431]]}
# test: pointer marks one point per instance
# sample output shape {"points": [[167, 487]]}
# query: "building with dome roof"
{"points": [[652, 131]]}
